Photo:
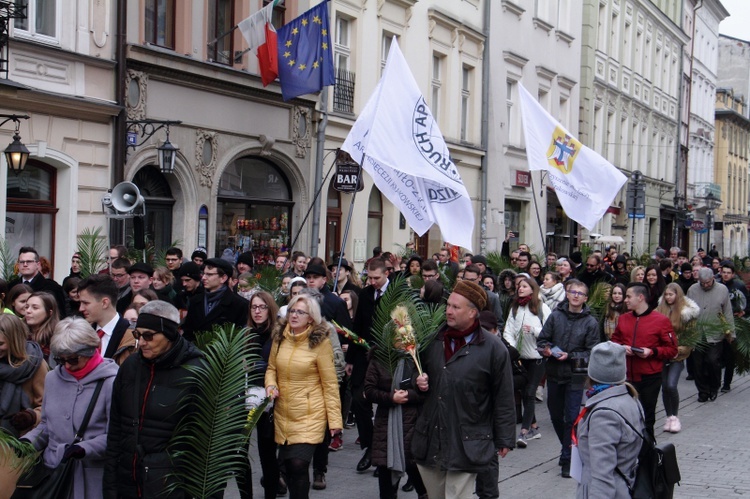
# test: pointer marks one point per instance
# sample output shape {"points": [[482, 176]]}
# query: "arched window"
{"points": [[31, 209], [253, 209], [374, 219]]}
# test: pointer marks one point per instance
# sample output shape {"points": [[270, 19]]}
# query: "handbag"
{"points": [[54, 483]]}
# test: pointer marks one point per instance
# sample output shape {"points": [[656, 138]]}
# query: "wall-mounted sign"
{"points": [[523, 179]]}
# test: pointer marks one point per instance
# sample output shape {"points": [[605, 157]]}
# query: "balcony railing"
{"points": [[343, 92]]}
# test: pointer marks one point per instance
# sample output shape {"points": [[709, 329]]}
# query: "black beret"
{"points": [[141, 267], [219, 263]]}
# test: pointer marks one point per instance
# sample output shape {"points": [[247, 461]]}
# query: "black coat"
{"points": [[41, 283], [470, 411], [334, 308], [378, 390], [231, 309], [356, 355], [156, 390], [124, 302]]}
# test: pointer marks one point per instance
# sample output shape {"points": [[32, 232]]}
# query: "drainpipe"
{"points": [[485, 129], [118, 148]]}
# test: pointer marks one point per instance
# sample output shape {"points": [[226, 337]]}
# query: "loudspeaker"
{"points": [[126, 197]]}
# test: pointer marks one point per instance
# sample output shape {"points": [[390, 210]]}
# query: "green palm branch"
{"points": [[210, 443], [426, 320], [92, 249], [7, 261], [497, 262], [599, 299], [15, 454], [267, 279], [742, 345]]}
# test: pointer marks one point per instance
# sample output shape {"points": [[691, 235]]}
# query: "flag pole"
{"points": [[538, 219], [346, 230]]}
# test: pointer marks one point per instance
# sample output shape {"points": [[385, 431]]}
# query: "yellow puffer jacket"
{"points": [[301, 366]]}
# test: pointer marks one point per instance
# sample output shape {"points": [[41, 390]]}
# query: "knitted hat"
{"points": [[488, 320], [200, 253], [479, 259], [246, 258], [472, 292], [191, 270], [686, 267], [607, 363]]}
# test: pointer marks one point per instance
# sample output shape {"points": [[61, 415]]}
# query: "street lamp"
{"points": [[635, 196], [712, 202], [16, 154], [167, 152]]}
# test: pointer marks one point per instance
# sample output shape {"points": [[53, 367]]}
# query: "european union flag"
{"points": [[305, 57]]}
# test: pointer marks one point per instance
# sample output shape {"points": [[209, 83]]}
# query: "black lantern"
{"points": [[167, 152], [16, 154], [167, 155]]}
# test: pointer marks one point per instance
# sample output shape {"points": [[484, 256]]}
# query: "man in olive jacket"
{"points": [[469, 413]]}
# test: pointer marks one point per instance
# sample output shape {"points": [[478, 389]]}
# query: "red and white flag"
{"points": [[261, 36]]}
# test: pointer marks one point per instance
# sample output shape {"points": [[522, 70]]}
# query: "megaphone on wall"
{"points": [[124, 201]]}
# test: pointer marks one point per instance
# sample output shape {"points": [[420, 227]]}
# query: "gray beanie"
{"points": [[607, 363]]}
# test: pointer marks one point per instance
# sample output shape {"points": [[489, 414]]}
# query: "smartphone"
{"points": [[636, 350], [557, 352]]}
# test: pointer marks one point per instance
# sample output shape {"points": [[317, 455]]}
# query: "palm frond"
{"points": [[92, 250], [159, 258], [15, 454], [266, 278], [426, 319], [598, 299], [7, 261], [497, 262], [209, 444], [742, 345]]}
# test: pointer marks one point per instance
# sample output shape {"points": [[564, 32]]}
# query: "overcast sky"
{"points": [[737, 24]]}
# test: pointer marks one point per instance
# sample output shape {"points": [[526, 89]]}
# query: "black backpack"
{"points": [[657, 471]]}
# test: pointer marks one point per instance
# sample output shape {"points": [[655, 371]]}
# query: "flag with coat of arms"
{"points": [[585, 183], [398, 142]]}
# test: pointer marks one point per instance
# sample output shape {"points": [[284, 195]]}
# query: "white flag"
{"points": [[585, 182], [407, 157], [254, 27]]}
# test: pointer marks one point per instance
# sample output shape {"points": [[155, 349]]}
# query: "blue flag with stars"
{"points": [[305, 56]]}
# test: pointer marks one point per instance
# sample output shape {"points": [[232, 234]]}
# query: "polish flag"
{"points": [[261, 36]]}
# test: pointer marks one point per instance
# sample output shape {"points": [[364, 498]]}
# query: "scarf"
{"points": [[12, 396], [597, 388], [458, 338], [210, 300], [90, 366], [523, 301], [396, 459]]}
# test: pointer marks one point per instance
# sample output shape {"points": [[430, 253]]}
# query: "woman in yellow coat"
{"points": [[301, 377]]}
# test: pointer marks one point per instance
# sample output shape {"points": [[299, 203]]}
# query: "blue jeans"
{"points": [[564, 404], [669, 394]]}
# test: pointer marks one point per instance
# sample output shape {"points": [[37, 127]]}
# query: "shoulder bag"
{"points": [[54, 483]]}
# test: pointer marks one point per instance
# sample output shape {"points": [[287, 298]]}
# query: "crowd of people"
{"points": [[122, 340]]}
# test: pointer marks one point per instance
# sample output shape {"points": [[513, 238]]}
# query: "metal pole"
{"points": [[634, 192], [346, 235]]}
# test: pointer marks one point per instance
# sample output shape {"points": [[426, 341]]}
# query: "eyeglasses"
{"points": [[297, 312], [146, 336], [577, 294], [255, 308], [26, 262], [119, 276], [429, 276], [67, 360]]}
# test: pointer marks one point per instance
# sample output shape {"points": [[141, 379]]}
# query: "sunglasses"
{"points": [[67, 360], [146, 336]]}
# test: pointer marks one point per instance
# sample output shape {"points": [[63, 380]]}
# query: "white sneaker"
{"points": [[668, 424], [539, 394], [676, 425]]}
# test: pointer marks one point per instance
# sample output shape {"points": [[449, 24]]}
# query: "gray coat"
{"points": [[606, 440], [65, 402]]}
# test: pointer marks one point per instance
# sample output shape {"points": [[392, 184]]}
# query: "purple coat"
{"points": [[65, 402]]}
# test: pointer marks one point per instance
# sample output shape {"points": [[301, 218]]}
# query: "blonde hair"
{"points": [[16, 333], [673, 312], [635, 271]]}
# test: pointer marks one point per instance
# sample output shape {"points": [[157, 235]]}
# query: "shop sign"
{"points": [[698, 226], [347, 178], [523, 179]]}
